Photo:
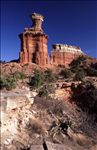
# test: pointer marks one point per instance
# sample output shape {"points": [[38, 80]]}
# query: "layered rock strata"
{"points": [[34, 48], [34, 43], [64, 54]]}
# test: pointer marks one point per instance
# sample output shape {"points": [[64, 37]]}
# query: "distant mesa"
{"points": [[34, 47]]}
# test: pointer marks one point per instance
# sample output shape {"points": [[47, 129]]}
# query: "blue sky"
{"points": [[66, 22]]}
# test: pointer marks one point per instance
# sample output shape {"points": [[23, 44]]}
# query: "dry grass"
{"points": [[35, 126]]}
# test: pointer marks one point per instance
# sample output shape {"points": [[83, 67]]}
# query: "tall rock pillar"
{"points": [[34, 41]]}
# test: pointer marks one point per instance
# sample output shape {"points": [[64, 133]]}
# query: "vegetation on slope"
{"points": [[54, 116], [40, 78], [9, 82], [81, 65], [85, 96]]}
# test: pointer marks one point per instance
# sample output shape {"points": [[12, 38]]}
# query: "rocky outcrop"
{"points": [[52, 146], [64, 54], [34, 47], [15, 114], [34, 43], [26, 123], [11, 68]]}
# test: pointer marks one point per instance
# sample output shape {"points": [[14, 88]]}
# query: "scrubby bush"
{"points": [[35, 126], [37, 79], [85, 96], [7, 82], [2, 82], [78, 61], [60, 126], [45, 90], [49, 76], [79, 75], [91, 72], [41, 78], [19, 75], [94, 65], [75, 64], [53, 106], [66, 73], [58, 107]]}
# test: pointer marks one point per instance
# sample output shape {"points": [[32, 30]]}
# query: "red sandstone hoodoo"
{"points": [[34, 43], [34, 47]]}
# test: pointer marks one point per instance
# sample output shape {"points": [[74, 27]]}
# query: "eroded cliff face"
{"points": [[64, 54], [34, 43]]}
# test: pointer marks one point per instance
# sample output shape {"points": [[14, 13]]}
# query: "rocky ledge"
{"points": [[25, 126]]}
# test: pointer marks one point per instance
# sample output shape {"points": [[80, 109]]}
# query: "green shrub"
{"points": [[75, 64], [2, 83], [85, 96], [66, 73], [91, 72], [45, 90], [37, 80], [79, 75], [49, 75], [19, 75], [7, 82], [94, 65], [75, 69], [78, 61]]}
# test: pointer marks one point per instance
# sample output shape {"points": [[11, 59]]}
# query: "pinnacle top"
{"points": [[37, 16]]}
